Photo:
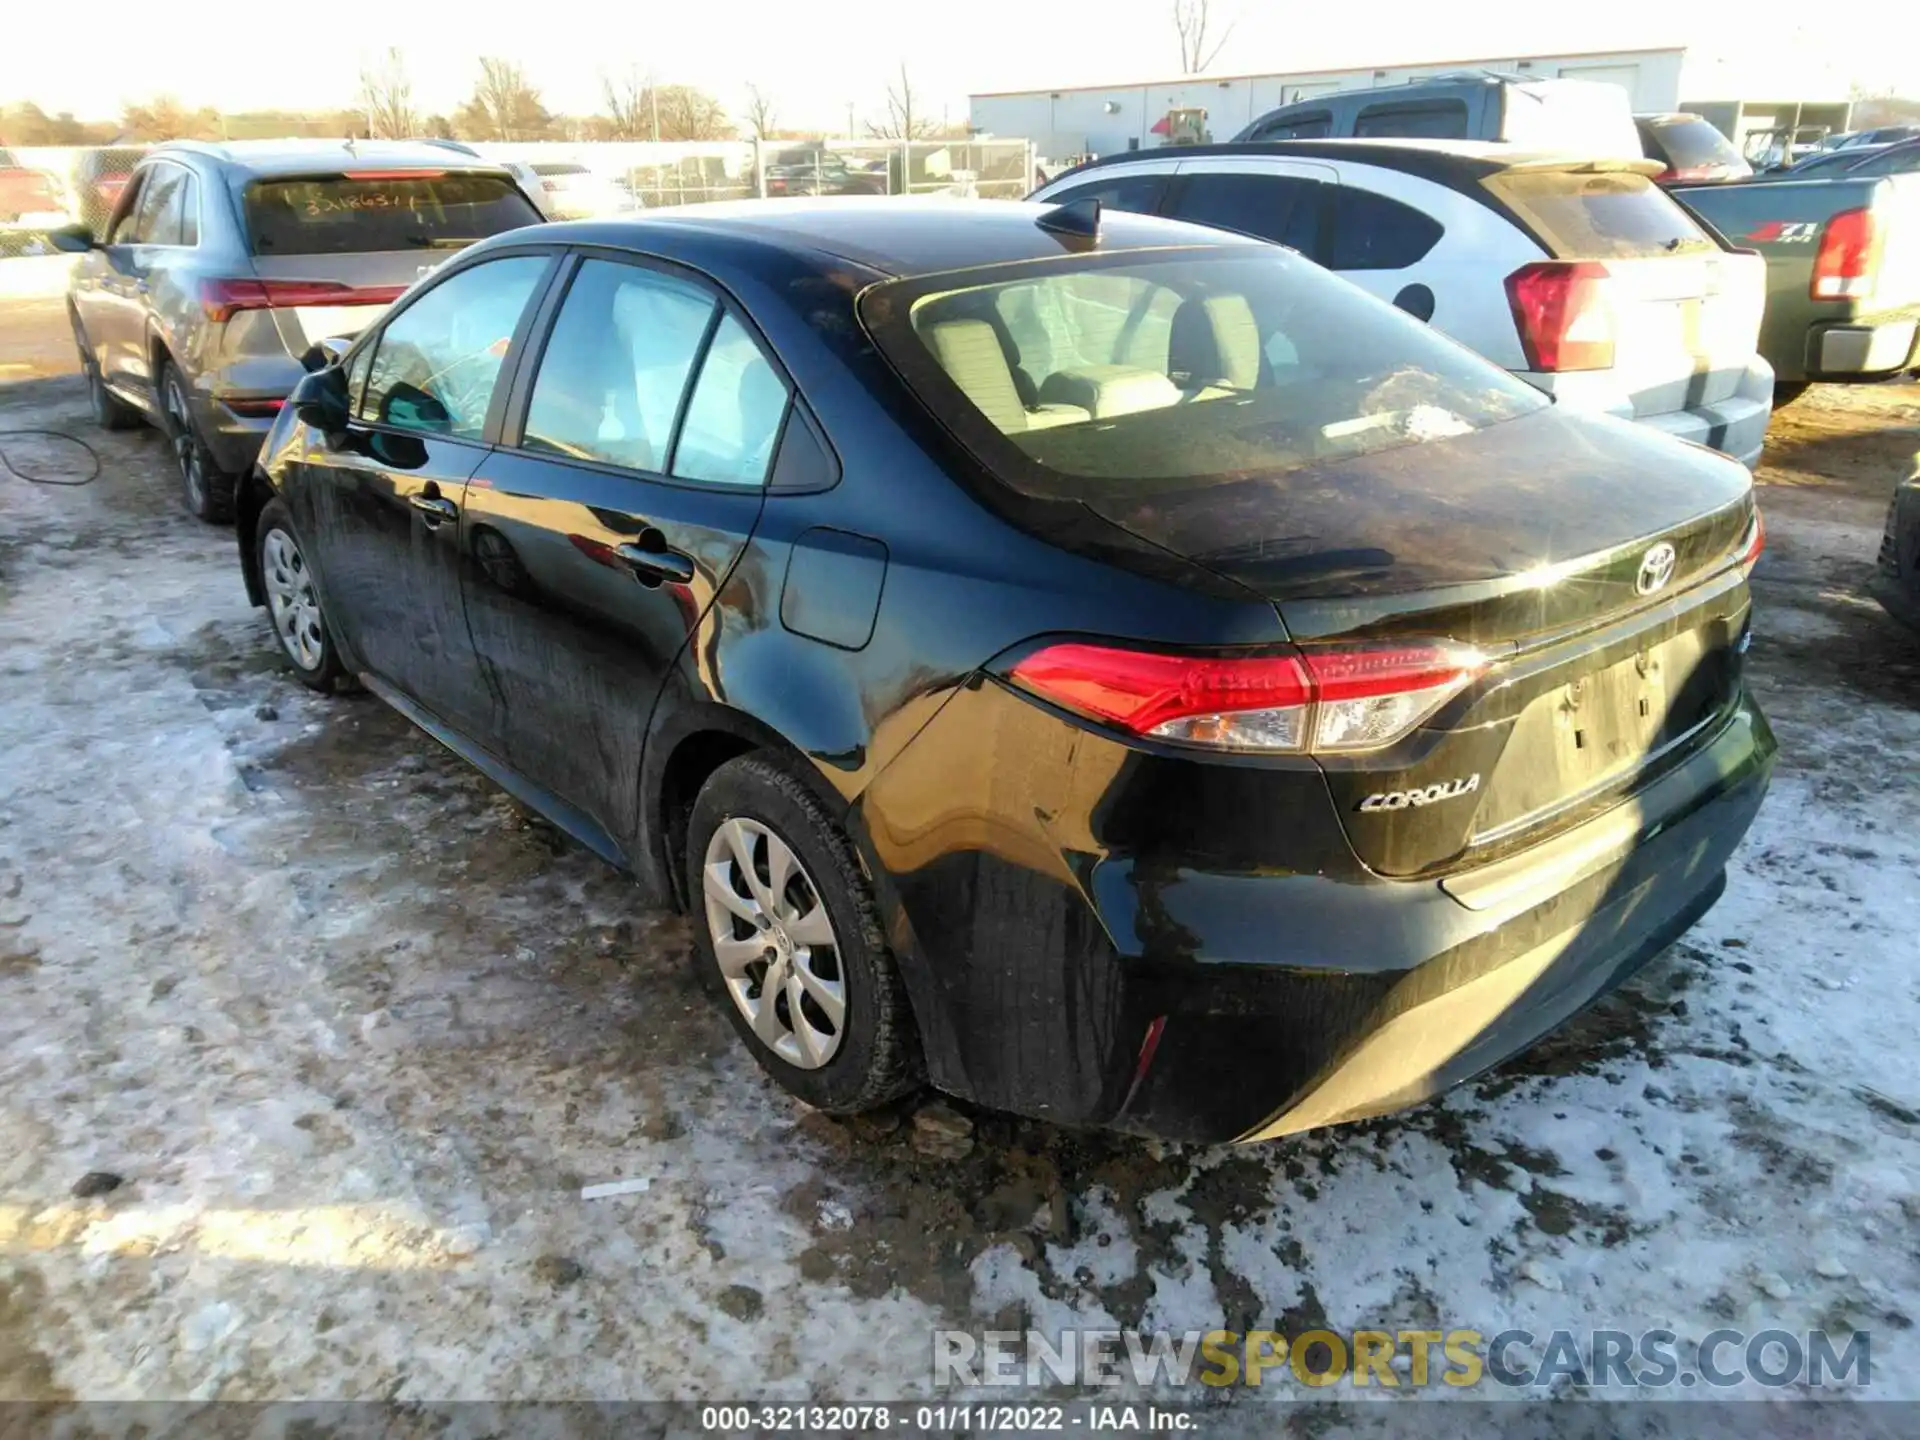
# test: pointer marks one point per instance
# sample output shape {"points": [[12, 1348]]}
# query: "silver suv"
{"points": [[223, 264]]}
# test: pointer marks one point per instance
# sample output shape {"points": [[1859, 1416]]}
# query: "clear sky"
{"points": [[813, 60]]}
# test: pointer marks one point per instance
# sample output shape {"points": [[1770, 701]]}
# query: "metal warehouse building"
{"points": [[1103, 119]]}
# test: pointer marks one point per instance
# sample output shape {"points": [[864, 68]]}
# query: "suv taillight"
{"points": [[222, 298], [1849, 255], [1563, 314], [1303, 701]]}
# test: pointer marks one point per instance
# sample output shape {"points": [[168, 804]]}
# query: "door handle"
{"points": [[659, 564], [434, 507]]}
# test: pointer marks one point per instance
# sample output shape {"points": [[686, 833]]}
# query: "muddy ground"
{"points": [[346, 1031]]}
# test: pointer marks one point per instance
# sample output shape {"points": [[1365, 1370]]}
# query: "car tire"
{"points": [[1785, 392], [293, 602], [110, 412], [206, 488], [835, 946]]}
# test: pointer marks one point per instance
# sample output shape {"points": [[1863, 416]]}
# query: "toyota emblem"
{"points": [[1656, 569]]}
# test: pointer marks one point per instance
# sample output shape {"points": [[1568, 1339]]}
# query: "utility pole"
{"points": [[849, 120]]}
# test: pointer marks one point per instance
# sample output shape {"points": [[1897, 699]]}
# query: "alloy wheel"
{"points": [[291, 601], [186, 450], [774, 942]]}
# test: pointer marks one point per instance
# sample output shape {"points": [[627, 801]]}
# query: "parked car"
{"points": [[573, 192], [221, 264], [1689, 149], [1843, 270], [1583, 115], [1110, 668], [1896, 583], [1881, 135], [96, 179], [1579, 275], [811, 170], [28, 196]]}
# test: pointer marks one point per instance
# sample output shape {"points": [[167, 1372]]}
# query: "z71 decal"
{"points": [[1784, 232]]}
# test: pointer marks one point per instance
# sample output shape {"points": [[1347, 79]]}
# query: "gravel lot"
{"points": [[353, 1030]]}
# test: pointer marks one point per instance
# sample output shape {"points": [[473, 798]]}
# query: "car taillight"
{"points": [[1320, 701], [1753, 542], [1848, 257], [221, 299], [1562, 312]]}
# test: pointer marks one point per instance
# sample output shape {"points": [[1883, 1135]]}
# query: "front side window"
{"points": [[1267, 365], [435, 364], [1315, 126], [617, 365], [126, 212], [162, 204]]}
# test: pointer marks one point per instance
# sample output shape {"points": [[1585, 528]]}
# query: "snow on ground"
{"points": [[355, 1030]]}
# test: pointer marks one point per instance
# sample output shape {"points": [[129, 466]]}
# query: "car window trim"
{"points": [[496, 403], [513, 423]]}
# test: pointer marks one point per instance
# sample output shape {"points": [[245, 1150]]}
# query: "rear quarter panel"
{"points": [[1784, 220]]}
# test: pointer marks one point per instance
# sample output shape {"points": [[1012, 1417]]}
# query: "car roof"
{"points": [[1448, 161], [896, 236], [305, 157]]}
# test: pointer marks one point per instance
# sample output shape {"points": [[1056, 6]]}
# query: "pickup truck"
{"points": [[1843, 271]]}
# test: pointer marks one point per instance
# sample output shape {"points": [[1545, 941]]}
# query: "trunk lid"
{"points": [[1538, 541], [380, 273]]}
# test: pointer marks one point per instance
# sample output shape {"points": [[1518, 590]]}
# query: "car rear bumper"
{"points": [[1861, 351], [1735, 425], [1213, 1002]]}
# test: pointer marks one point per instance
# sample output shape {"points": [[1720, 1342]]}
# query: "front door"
{"points": [[602, 529], [380, 511], [107, 289]]}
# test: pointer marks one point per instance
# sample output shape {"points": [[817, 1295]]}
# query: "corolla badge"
{"points": [[1423, 795], [1656, 569]]}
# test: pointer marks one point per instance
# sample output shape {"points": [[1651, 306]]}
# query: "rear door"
{"points": [[632, 476], [1277, 200], [1686, 313], [381, 512]]}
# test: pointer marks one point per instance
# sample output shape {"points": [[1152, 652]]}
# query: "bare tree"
{"points": [[165, 118], [504, 106], [903, 121], [1191, 18], [386, 96], [689, 114], [760, 114], [627, 105]]}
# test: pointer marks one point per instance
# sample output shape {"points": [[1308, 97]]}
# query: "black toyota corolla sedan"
{"points": [[1111, 670]]}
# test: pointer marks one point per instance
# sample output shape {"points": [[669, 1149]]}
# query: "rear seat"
{"points": [[972, 356]]}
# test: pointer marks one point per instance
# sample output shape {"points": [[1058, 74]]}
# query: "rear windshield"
{"points": [[1604, 216], [1687, 142], [341, 216], [1095, 377]]}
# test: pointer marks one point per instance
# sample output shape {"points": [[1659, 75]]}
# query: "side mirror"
{"points": [[72, 239], [322, 353], [320, 400]]}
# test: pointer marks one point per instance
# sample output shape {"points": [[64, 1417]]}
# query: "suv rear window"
{"points": [[1608, 215], [1153, 372], [344, 216]]}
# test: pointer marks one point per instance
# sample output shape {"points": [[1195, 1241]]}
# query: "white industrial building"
{"points": [[1103, 119]]}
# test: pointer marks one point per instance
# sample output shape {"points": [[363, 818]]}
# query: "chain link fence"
{"points": [[43, 187]]}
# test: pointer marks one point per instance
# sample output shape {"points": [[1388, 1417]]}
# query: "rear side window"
{"points": [[1371, 232], [1316, 125], [190, 211], [617, 365], [1605, 216], [1281, 208], [436, 362], [1137, 193], [341, 215], [1437, 120]]}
